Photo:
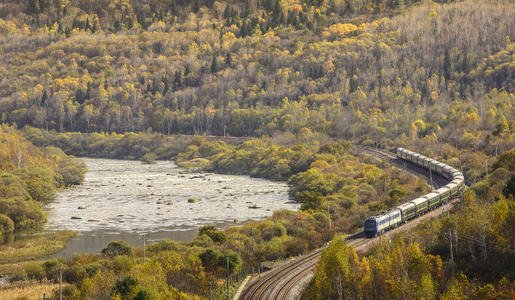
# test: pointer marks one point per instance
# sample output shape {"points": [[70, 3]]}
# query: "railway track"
{"points": [[433, 179], [259, 288], [287, 281]]}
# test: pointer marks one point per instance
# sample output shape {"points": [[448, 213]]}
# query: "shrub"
{"points": [[34, 271], [149, 158], [124, 287], [117, 248]]}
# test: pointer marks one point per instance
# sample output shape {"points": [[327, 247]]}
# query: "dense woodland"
{"points": [[288, 87], [257, 67], [29, 178]]}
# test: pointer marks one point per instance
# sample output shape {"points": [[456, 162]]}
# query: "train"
{"points": [[376, 225]]}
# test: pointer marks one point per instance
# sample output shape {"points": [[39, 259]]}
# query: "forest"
{"points": [[193, 69], [30, 177], [279, 89]]}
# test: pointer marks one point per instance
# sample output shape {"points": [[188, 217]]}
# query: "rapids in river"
{"points": [[129, 200]]}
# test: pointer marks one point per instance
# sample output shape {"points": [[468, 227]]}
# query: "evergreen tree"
{"points": [[94, 27], [80, 96], [447, 67], [278, 14], [228, 59], [214, 65], [349, 8], [165, 85], [33, 7], [44, 98], [177, 81], [244, 29], [88, 90]]}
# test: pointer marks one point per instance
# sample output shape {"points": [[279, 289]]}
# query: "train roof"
{"points": [[393, 212], [378, 217], [431, 195], [418, 201], [432, 161], [457, 181], [448, 169], [451, 185], [443, 189], [382, 217], [405, 205]]}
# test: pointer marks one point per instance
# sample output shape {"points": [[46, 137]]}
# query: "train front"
{"points": [[371, 227]]}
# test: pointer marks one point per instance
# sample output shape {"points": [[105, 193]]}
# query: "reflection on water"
{"points": [[123, 200], [94, 242]]}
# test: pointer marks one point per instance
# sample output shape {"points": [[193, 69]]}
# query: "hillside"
{"points": [[241, 69]]}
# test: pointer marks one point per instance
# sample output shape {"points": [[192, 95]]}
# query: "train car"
{"points": [[447, 172], [421, 205], [408, 211], [434, 165], [420, 159], [395, 218], [445, 193], [453, 188], [424, 161], [408, 154], [401, 153], [457, 175], [433, 199], [457, 181], [414, 158], [439, 167]]}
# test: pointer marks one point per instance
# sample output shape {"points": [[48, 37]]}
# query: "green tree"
{"points": [[6, 228], [124, 287], [117, 248], [214, 64], [214, 233]]}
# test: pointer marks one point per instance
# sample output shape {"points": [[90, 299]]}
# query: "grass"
{"points": [[34, 247], [29, 290]]}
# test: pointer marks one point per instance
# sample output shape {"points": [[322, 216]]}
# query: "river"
{"points": [[129, 200]]}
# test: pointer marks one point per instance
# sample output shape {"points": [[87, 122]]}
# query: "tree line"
{"points": [[29, 179]]}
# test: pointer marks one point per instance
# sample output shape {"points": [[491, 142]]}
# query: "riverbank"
{"points": [[34, 246]]}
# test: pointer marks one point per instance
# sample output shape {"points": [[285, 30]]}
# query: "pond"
{"points": [[129, 200]]}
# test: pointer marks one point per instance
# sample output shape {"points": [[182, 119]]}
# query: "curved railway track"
{"points": [[284, 282], [260, 289]]}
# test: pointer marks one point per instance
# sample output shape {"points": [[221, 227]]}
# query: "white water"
{"points": [[128, 196]]}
